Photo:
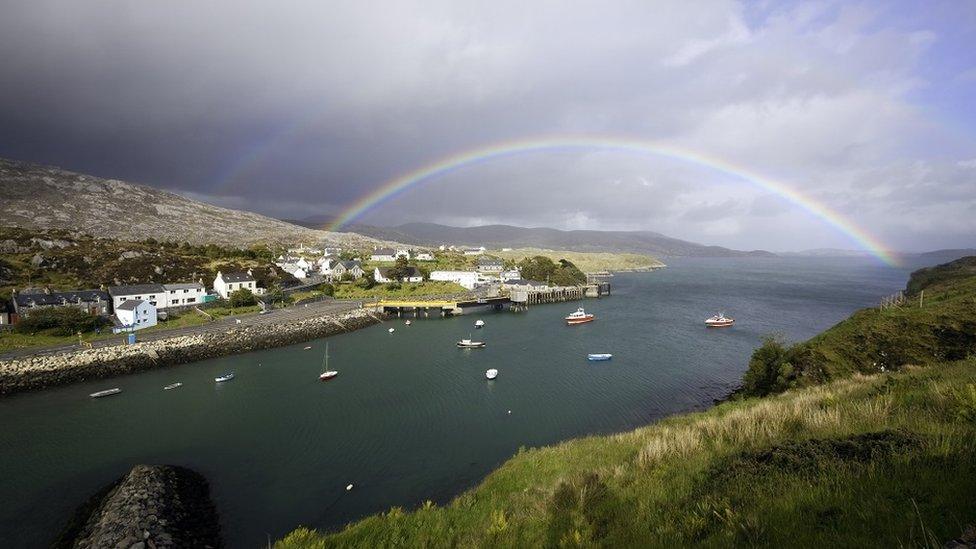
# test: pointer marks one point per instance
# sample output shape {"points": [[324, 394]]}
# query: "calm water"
{"points": [[410, 416]]}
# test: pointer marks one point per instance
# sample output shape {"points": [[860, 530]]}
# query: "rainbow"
{"points": [[397, 186]]}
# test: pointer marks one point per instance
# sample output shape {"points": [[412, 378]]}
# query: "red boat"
{"points": [[579, 317]]}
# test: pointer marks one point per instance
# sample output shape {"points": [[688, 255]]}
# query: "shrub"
{"points": [[769, 370], [60, 321], [242, 298]]}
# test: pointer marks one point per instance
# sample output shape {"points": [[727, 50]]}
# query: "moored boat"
{"points": [[479, 323], [105, 393], [599, 356], [224, 377], [327, 374], [391, 330], [579, 317], [467, 343], [719, 321], [491, 373], [172, 386], [407, 323]]}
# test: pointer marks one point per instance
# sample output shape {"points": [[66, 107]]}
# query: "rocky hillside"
{"points": [[41, 197]]}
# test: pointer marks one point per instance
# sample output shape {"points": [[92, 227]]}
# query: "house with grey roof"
{"points": [[93, 302], [134, 314], [228, 283], [187, 294], [153, 293]]}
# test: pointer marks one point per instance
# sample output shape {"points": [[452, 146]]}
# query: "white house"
{"points": [[325, 264], [389, 254], [226, 284], [512, 274], [295, 270], [382, 275], [155, 294], [424, 256], [134, 314], [182, 295], [490, 265], [331, 251], [468, 279], [353, 267], [474, 251]]}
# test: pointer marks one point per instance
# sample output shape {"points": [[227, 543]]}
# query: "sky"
{"points": [[298, 109]]}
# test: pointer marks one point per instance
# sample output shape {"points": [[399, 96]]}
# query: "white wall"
{"points": [[143, 316], [468, 279]]}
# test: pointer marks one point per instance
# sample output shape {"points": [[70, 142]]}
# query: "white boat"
{"points": [[491, 374], [719, 321], [307, 348], [391, 330], [224, 377], [467, 343], [106, 392], [579, 317], [172, 386], [407, 323], [327, 374], [599, 356], [479, 323]]}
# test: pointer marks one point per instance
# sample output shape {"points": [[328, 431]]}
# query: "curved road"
{"points": [[287, 314]]}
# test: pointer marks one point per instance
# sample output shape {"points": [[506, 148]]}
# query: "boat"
{"points": [[491, 374], [224, 377], [719, 321], [466, 343], [479, 323], [407, 323], [307, 348], [327, 374], [106, 392], [391, 330], [599, 356], [172, 386], [579, 317]]}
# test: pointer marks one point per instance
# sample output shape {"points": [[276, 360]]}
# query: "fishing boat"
{"points": [[491, 374], [466, 343], [579, 317], [172, 386], [327, 374], [224, 377], [106, 392], [599, 356], [719, 321], [479, 323]]}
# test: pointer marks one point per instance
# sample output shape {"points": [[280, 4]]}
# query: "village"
{"points": [[310, 274]]}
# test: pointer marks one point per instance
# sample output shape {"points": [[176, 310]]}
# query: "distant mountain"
{"points": [[41, 197], [945, 256], [508, 236]]}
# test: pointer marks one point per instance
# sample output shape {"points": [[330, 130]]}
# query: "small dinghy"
{"points": [[407, 323], [307, 348], [491, 374], [479, 323], [106, 392], [224, 377], [599, 356], [466, 343], [172, 386]]}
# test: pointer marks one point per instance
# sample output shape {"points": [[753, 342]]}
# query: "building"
{"points": [[424, 256], [134, 314], [153, 293], [325, 264], [93, 302], [474, 251], [490, 265], [226, 284], [294, 269], [468, 279], [511, 274], [412, 274], [527, 285], [184, 295], [331, 252], [389, 254], [353, 267]]}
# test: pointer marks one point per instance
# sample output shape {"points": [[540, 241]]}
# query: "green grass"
{"points": [[588, 261], [380, 291]]}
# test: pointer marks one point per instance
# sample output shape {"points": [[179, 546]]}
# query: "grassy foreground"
{"points": [[879, 460]]}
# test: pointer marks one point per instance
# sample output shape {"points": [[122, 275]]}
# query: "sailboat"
{"points": [[327, 374]]}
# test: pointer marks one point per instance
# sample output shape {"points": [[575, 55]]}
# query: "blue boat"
{"points": [[599, 356]]}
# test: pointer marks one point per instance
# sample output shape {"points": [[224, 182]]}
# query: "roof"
{"points": [[135, 289], [384, 251], [130, 305], [350, 264], [524, 282], [184, 286], [58, 298], [409, 271], [237, 277]]}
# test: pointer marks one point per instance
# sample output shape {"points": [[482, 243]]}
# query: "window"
{"points": [[191, 299]]}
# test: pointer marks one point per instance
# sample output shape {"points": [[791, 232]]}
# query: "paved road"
{"points": [[288, 314]]}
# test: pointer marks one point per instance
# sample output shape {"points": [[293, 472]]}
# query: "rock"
{"points": [[37, 260], [130, 254]]}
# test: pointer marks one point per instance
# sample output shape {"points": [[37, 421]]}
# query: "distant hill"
{"points": [[508, 236], [43, 198]]}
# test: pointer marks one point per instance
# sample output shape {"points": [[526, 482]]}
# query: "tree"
{"points": [[242, 298], [366, 282], [275, 293], [399, 269], [769, 370]]}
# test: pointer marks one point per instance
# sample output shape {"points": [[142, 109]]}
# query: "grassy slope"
{"points": [[864, 460], [587, 261]]}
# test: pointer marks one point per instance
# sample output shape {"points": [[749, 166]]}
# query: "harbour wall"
{"points": [[40, 372]]}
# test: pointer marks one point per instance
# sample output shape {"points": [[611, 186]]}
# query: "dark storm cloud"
{"points": [[299, 108]]}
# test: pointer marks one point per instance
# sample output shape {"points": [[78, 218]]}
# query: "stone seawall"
{"points": [[39, 372]]}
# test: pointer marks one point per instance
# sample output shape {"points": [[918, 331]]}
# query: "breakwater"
{"points": [[39, 372]]}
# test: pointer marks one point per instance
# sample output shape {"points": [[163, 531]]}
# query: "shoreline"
{"points": [[38, 372]]}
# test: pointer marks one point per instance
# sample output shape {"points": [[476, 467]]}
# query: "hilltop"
{"points": [[42, 198], [877, 459]]}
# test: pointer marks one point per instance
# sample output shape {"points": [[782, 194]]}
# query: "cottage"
{"points": [[474, 251], [295, 270], [468, 279], [134, 314], [490, 265], [411, 274], [389, 254], [511, 274], [424, 256], [353, 267], [184, 295], [153, 293], [93, 302], [226, 284], [331, 252]]}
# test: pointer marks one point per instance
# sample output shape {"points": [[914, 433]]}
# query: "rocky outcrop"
{"points": [[39, 372], [152, 506]]}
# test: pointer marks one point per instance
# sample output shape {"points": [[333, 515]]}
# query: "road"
{"points": [[287, 314]]}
